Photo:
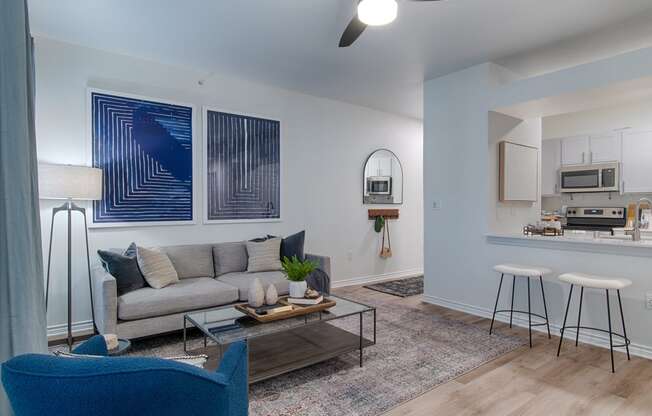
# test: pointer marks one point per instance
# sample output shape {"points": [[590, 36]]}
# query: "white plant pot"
{"points": [[298, 289]]}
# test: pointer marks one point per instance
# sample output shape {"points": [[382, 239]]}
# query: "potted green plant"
{"points": [[296, 271]]}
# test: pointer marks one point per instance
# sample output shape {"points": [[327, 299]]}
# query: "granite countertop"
{"points": [[619, 245]]}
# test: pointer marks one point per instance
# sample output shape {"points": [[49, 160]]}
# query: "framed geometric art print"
{"points": [[242, 168], [144, 148]]}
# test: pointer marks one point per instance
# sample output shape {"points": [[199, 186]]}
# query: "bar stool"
{"points": [[516, 270], [595, 282]]}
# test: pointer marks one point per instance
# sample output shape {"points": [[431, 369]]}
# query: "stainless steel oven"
{"points": [[379, 185], [604, 177]]}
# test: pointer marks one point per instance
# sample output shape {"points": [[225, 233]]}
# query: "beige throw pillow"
{"points": [[156, 267], [264, 256]]}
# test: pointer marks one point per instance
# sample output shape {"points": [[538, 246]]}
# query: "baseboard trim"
{"points": [[597, 340], [363, 280], [61, 330]]}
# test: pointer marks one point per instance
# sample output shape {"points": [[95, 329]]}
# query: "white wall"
{"points": [[458, 255], [324, 145], [635, 115]]}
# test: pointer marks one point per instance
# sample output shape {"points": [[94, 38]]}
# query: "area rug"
{"points": [[402, 287], [416, 351]]}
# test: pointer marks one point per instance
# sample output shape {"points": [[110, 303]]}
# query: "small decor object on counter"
{"points": [[296, 272], [256, 295], [271, 296], [543, 229]]}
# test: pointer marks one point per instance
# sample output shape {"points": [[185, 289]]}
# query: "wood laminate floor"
{"points": [[532, 381]]}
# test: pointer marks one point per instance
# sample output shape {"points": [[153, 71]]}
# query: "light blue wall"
{"points": [[458, 257]]}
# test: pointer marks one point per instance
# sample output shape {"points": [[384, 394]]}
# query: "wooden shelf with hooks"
{"points": [[388, 214]]}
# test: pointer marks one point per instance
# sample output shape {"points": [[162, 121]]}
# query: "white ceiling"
{"points": [[293, 43]]}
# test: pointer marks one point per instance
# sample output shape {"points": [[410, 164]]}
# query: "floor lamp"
{"points": [[70, 183]]}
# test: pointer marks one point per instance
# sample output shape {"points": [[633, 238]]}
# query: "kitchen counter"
{"points": [[578, 241]]}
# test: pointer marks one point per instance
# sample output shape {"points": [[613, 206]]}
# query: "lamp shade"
{"points": [[69, 182]]}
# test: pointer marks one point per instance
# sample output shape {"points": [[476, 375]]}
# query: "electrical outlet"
{"points": [[648, 300]]}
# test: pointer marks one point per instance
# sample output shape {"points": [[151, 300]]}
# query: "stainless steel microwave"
{"points": [[603, 177], [379, 185]]}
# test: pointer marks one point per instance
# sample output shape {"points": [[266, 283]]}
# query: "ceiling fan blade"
{"points": [[352, 32]]}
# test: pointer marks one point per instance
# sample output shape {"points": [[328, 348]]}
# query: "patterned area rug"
{"points": [[403, 287], [416, 351]]}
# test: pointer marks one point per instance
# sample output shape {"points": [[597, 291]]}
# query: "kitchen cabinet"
{"points": [[379, 166], [575, 150], [518, 173], [636, 162], [605, 148], [550, 164]]}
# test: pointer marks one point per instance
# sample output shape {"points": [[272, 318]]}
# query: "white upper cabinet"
{"points": [[637, 162], [550, 164], [575, 150], [605, 148]]}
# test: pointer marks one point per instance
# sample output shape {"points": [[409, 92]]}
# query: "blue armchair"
{"points": [[38, 384]]}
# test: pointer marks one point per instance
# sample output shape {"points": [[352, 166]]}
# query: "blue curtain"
{"points": [[22, 308]]}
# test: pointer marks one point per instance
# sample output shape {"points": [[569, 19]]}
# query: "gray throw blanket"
{"points": [[320, 281]]}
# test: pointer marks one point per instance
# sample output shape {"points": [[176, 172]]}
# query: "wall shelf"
{"points": [[388, 214]]}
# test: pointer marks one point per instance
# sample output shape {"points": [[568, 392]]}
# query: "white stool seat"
{"points": [[596, 282], [520, 270]]}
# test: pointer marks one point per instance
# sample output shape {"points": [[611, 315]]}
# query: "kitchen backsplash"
{"points": [[553, 203]]}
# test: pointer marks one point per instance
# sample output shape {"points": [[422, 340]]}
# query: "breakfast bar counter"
{"points": [[586, 242]]}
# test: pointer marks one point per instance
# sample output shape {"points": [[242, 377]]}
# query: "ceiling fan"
{"points": [[370, 13]]}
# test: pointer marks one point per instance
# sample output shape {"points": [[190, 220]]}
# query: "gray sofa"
{"points": [[210, 275]]}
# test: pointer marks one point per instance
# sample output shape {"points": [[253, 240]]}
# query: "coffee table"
{"points": [[282, 346]]}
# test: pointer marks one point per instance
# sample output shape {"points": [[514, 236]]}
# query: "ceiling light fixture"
{"points": [[377, 12]]}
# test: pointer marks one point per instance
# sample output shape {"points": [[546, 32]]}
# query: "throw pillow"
{"points": [[124, 267], [264, 256], [292, 245], [156, 267]]}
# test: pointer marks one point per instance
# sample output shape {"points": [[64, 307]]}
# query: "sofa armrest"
{"points": [[105, 301], [324, 262]]}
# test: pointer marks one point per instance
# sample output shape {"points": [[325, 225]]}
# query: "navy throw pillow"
{"points": [[124, 267], [292, 245]]}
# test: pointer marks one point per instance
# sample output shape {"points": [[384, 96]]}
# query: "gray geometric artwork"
{"points": [[243, 167]]}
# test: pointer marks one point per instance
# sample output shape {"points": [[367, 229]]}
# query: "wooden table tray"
{"points": [[298, 310]]}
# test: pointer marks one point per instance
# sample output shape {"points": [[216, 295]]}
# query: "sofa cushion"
{"points": [[192, 260], [230, 257], [156, 267], [264, 256], [185, 295], [243, 280], [124, 268]]}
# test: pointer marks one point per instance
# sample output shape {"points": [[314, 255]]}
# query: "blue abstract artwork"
{"points": [[242, 167], [145, 151]]}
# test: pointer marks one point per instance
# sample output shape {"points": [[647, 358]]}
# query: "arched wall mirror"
{"points": [[383, 178]]}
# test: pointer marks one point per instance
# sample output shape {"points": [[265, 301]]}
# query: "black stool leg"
{"points": [[579, 318], [511, 313], [620, 304], [545, 308], [611, 342], [529, 311], [563, 326], [496, 305]]}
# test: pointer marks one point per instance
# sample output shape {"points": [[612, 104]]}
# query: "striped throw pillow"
{"points": [[264, 256]]}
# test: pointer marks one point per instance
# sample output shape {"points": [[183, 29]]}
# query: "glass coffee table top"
{"points": [[225, 325]]}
